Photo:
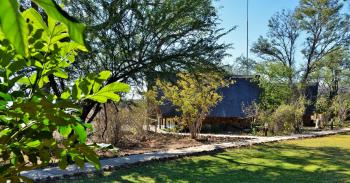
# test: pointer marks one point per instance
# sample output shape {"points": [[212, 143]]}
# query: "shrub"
{"points": [[115, 123], [288, 118], [322, 107], [336, 111], [340, 108], [194, 95]]}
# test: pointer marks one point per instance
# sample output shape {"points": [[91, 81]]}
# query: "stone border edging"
{"points": [[114, 163]]}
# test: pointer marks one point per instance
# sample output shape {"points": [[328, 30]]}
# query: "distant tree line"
{"points": [[309, 44]]}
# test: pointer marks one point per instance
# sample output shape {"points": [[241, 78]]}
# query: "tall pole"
{"points": [[247, 31]]}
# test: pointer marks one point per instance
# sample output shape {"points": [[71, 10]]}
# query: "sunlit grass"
{"points": [[311, 160]]}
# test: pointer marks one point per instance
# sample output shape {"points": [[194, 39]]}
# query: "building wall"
{"points": [[242, 93]]}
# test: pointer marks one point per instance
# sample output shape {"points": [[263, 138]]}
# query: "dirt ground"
{"points": [[157, 142]]}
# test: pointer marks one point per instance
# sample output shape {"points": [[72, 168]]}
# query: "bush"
{"points": [[340, 108], [115, 123], [336, 111], [194, 95], [288, 118], [322, 108]]}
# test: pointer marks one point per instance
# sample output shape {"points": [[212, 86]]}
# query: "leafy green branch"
{"points": [[32, 54]]}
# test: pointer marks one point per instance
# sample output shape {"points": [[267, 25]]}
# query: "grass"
{"points": [[324, 159]]}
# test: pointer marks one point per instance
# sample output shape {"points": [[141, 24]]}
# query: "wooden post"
{"points": [[162, 121], [165, 125], [156, 126], [266, 127], [158, 122]]}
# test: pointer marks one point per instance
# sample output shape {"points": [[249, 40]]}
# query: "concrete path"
{"points": [[108, 164]]}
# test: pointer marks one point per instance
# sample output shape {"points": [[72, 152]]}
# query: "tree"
{"points": [[334, 111], [244, 66], [322, 24], [332, 72], [194, 95], [31, 50], [281, 41], [326, 30], [273, 80], [340, 108], [140, 41]]}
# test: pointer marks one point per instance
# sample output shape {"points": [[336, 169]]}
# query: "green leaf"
{"points": [[75, 29], [36, 19], [103, 97], [27, 81], [3, 105], [86, 84], [5, 96], [46, 122], [5, 132], [63, 160], [65, 130], [5, 119], [108, 92], [76, 91], [81, 133], [13, 26], [57, 31], [116, 87], [34, 144], [38, 64], [61, 74], [13, 158], [65, 95], [103, 76]]}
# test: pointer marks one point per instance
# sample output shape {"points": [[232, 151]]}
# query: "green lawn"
{"points": [[312, 160]]}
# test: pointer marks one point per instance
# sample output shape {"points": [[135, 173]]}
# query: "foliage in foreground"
{"points": [[34, 54], [194, 95]]}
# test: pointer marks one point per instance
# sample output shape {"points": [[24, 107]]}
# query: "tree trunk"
{"points": [[193, 132], [196, 125]]}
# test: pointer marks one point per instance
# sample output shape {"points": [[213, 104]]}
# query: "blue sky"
{"points": [[233, 12]]}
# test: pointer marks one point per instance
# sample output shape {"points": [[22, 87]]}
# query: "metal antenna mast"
{"points": [[247, 31]]}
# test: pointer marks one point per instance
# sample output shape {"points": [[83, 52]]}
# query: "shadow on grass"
{"points": [[264, 163]]}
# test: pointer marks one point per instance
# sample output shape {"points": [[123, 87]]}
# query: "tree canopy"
{"points": [[318, 26], [140, 41]]}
